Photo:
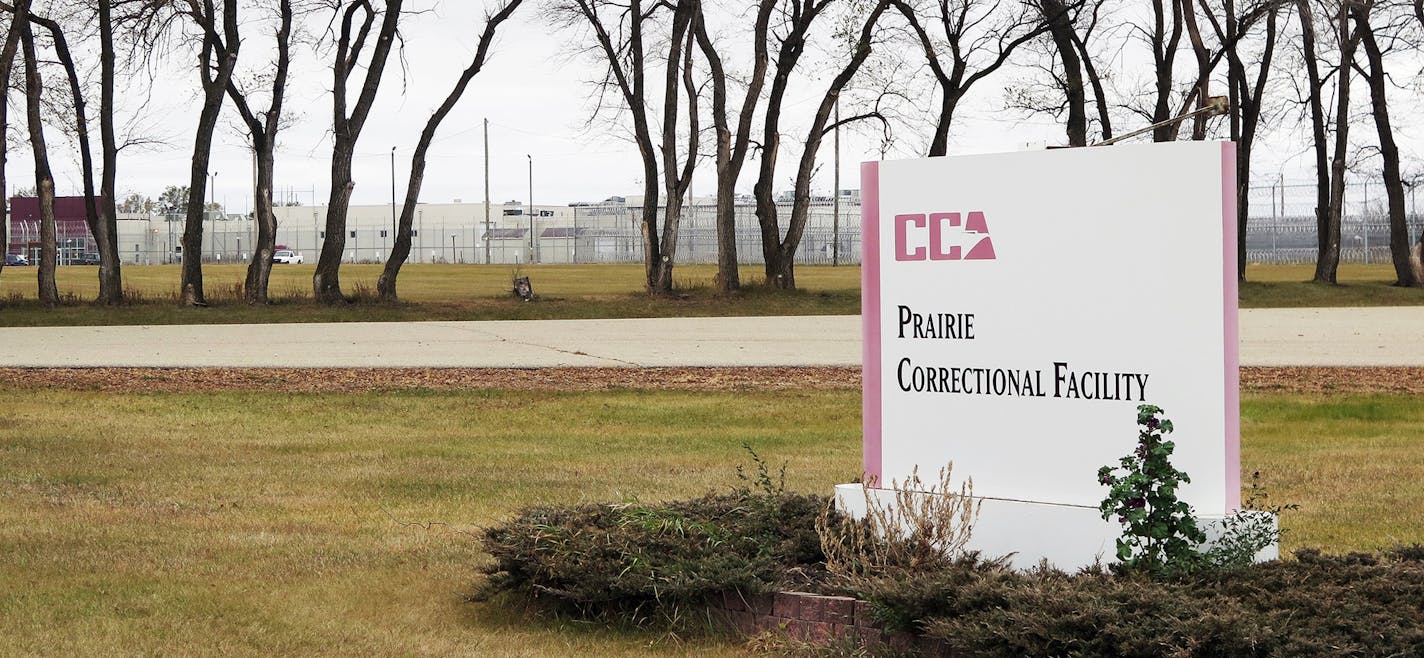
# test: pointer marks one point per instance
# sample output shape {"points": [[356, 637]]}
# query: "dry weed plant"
{"points": [[922, 526]]}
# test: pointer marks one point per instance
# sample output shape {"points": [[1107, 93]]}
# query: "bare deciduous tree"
{"points": [[1058, 19], [44, 178], [1246, 93], [1377, 78], [779, 251], [262, 129], [1327, 264], [347, 123], [7, 64], [732, 150], [386, 285], [620, 35], [215, 70], [978, 38], [111, 288]]}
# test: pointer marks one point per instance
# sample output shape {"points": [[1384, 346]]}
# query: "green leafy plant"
{"points": [[1248, 531], [1158, 530]]}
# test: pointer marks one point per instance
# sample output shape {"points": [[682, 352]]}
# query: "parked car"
{"points": [[88, 259], [287, 256], [16, 260]]}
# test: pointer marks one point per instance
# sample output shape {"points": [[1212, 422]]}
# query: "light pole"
{"points": [[531, 207], [212, 192], [836, 200], [393, 192], [452, 248], [487, 197]]}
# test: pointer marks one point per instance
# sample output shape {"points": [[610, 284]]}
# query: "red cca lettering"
{"points": [[945, 231]]}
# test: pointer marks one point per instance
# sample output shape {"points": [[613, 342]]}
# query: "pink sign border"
{"points": [[1231, 329], [871, 404], [870, 321]]}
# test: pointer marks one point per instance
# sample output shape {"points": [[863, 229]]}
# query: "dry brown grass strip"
{"points": [[380, 379], [1405, 380]]}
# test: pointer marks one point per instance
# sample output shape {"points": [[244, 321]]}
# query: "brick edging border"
{"points": [[818, 619]]}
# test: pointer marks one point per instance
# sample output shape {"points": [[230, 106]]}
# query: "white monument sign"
{"points": [[1018, 308]]}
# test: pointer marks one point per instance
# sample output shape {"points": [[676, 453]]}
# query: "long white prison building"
{"points": [[458, 233]]}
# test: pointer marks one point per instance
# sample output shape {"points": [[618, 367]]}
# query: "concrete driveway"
{"points": [[1269, 337]]}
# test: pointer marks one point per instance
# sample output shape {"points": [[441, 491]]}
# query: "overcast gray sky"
{"points": [[538, 103], [534, 94]]}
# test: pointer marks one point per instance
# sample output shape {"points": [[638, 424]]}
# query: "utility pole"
{"points": [[393, 192], [531, 207], [487, 199], [836, 202]]}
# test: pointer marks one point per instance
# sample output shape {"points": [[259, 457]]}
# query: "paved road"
{"points": [[1305, 337]]}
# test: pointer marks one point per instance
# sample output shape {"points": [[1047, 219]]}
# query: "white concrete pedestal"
{"points": [[1067, 536]]}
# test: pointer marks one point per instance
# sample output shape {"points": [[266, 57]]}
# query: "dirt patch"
{"points": [[1408, 380], [1286, 380], [382, 379]]}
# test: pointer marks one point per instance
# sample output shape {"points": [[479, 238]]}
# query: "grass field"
{"points": [[286, 524], [480, 292]]}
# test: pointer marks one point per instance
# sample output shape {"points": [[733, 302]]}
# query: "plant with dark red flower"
{"points": [[1158, 530]]}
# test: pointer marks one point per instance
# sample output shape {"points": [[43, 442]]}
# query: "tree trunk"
{"points": [[386, 285], [7, 64], [1253, 100], [263, 133], [1321, 146], [949, 101], [1164, 55], [326, 282], [1399, 247], [1329, 265], [1060, 28], [1246, 103], [111, 280], [732, 153], [1100, 95], [103, 239], [675, 179], [44, 179], [214, 85], [1204, 67], [728, 279], [793, 44], [784, 274], [259, 269]]}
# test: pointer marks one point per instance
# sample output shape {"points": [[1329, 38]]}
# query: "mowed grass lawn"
{"points": [[481, 292], [282, 524], [428, 292]]}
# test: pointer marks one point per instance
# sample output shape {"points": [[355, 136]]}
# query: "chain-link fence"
{"points": [[603, 233], [1282, 225], [1282, 230], [826, 240]]}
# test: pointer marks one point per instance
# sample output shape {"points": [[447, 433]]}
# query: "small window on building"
{"points": [[383, 233], [414, 233], [323, 235], [353, 234]]}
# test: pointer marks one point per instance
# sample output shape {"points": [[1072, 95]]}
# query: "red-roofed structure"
{"points": [[71, 229]]}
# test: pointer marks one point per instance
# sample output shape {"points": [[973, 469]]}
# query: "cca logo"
{"points": [[949, 237]]}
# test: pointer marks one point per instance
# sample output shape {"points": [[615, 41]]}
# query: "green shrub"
{"points": [[1158, 531], [624, 560], [1316, 605], [903, 598]]}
